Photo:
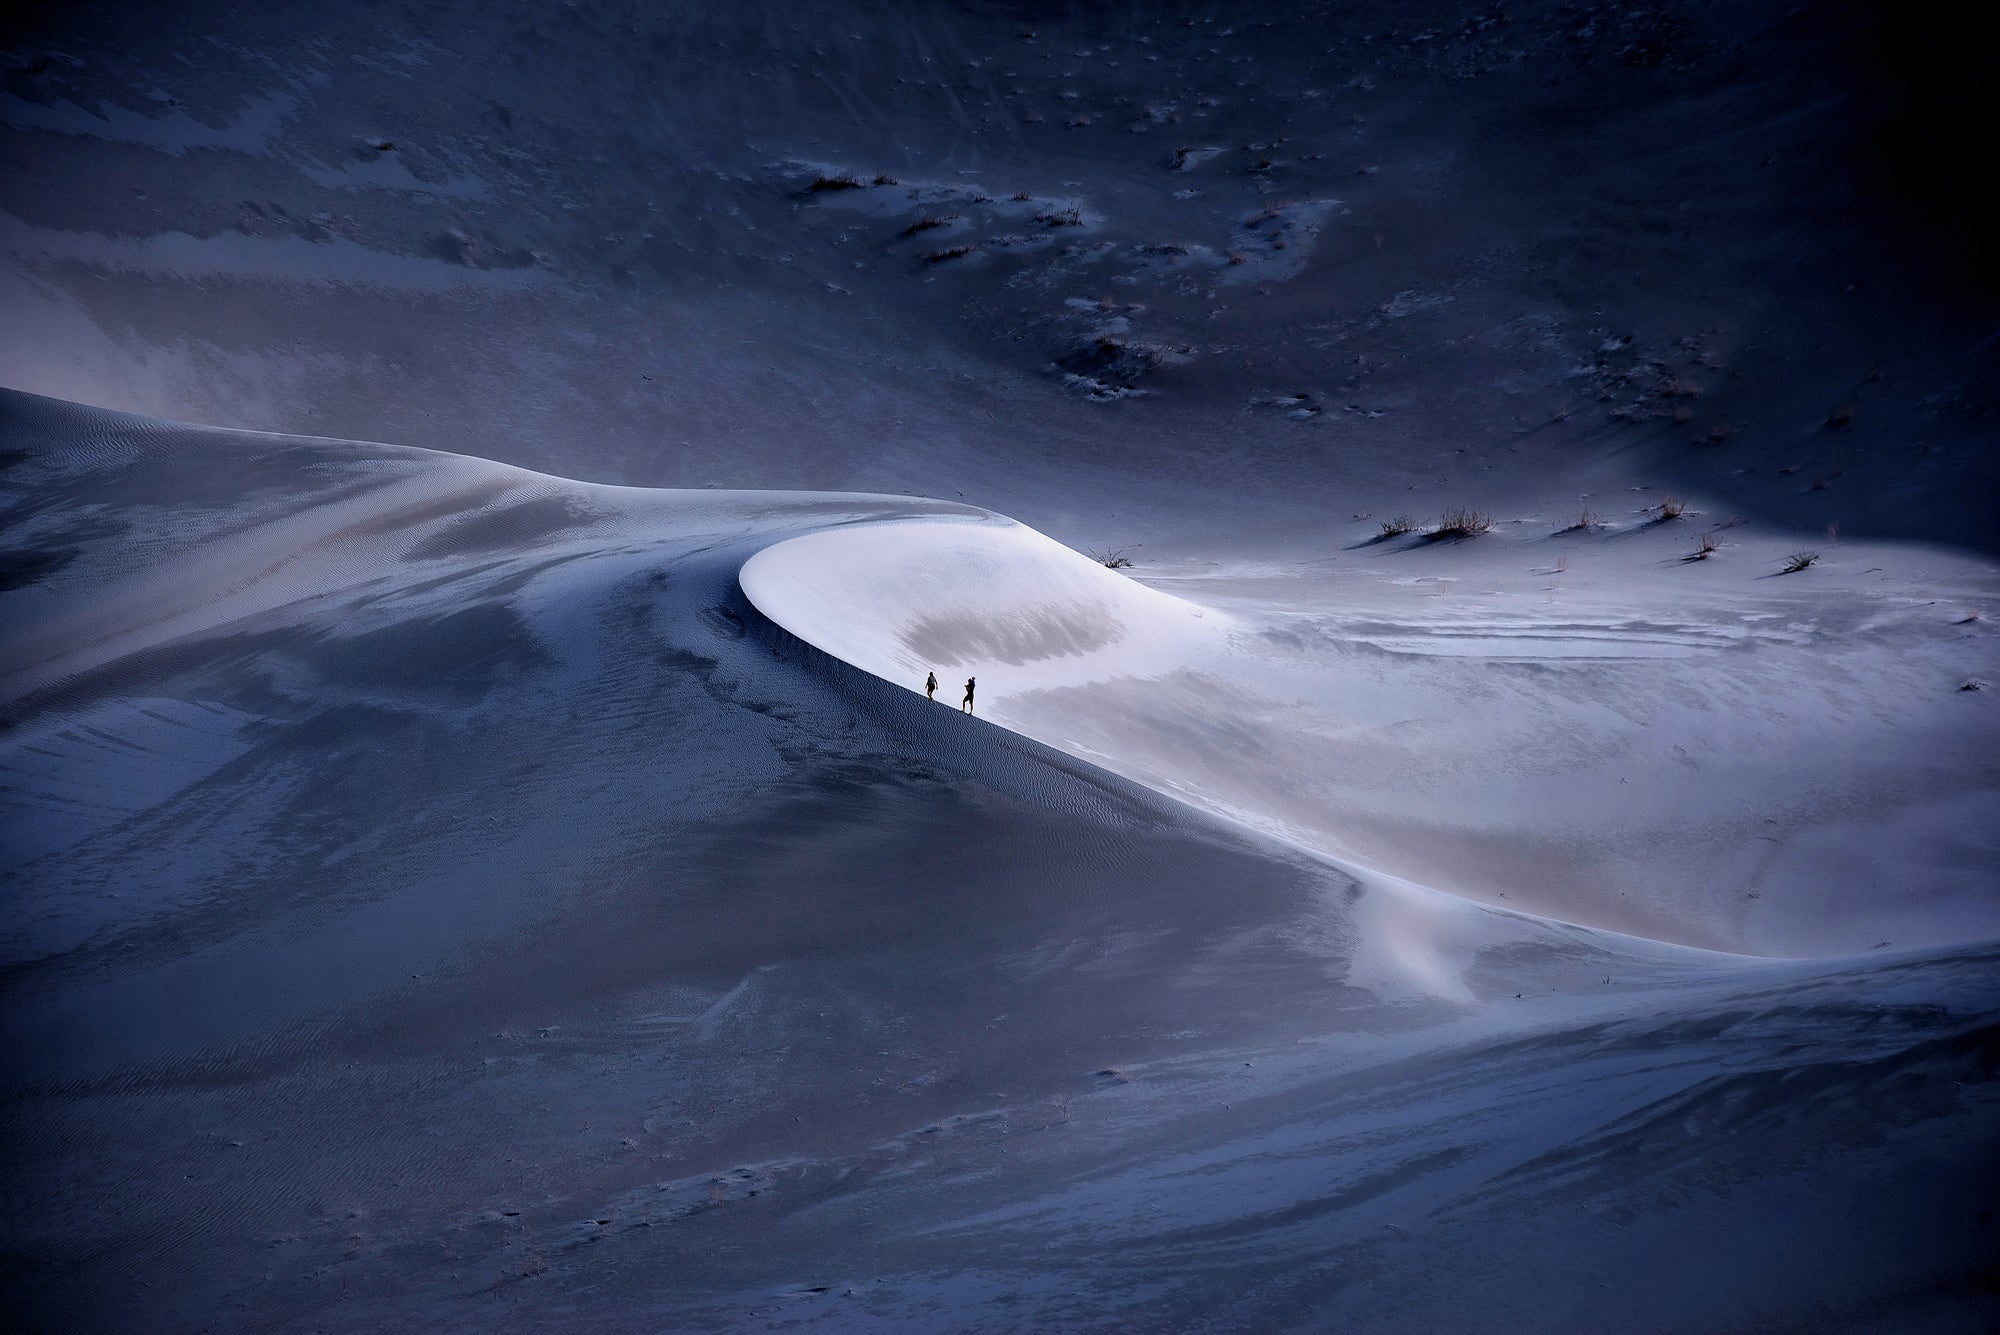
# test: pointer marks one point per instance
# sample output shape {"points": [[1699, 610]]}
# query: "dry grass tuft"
{"points": [[928, 221], [1397, 527], [823, 182], [1800, 560], [948, 253], [1586, 520], [1460, 522], [1672, 508]]}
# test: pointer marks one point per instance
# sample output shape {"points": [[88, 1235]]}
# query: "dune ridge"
{"points": [[433, 885]]}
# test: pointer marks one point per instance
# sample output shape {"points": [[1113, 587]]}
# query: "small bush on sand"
{"points": [[1397, 527], [949, 253], [1798, 561], [1586, 520], [1707, 548], [1460, 522], [1673, 507], [824, 182], [927, 222], [1060, 218], [1118, 558]]}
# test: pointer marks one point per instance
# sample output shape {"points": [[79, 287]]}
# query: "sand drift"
{"points": [[440, 893], [968, 595]]}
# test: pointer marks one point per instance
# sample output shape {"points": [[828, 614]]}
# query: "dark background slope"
{"points": [[1713, 245]]}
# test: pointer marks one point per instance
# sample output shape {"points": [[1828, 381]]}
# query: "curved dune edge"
{"points": [[989, 597], [983, 597], [1458, 744]]}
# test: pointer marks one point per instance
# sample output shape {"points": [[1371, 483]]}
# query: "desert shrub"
{"points": [[1060, 217], [883, 178], [1460, 522], [1585, 521], [1673, 507], [1118, 558], [927, 222], [1706, 549], [949, 253], [824, 182], [1798, 561], [1397, 527]]}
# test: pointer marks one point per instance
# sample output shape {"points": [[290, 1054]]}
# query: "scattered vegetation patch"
{"points": [[1060, 217], [1798, 561], [948, 253], [927, 222], [1460, 522], [843, 181], [883, 178], [1397, 527]]}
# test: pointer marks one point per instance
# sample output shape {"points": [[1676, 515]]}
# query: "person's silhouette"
{"points": [[930, 687], [967, 704]]}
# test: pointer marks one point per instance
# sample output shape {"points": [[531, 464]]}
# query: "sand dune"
{"points": [[442, 893], [518, 883], [1770, 770]]}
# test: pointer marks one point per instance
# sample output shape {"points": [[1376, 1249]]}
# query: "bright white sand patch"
{"points": [[987, 598]]}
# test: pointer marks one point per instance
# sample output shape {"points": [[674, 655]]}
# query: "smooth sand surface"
{"points": [[440, 895]]}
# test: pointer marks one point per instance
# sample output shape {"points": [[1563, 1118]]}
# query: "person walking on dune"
{"points": [[967, 704], [930, 687]]}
